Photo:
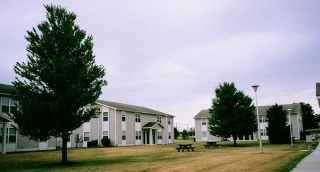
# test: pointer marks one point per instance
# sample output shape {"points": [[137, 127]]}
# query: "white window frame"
{"points": [[159, 119], [84, 136], [204, 134], [11, 103], [105, 134], [138, 117], [159, 135], [138, 135], [123, 136], [203, 121], [105, 116], [123, 116]]}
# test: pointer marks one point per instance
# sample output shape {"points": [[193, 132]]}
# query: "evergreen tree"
{"points": [[277, 120], [308, 117], [232, 113], [176, 133], [60, 82]]}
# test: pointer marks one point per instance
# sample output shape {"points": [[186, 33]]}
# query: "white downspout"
{"points": [[167, 129], [99, 125], [115, 127]]}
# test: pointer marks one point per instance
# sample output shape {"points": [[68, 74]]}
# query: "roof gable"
{"points": [[153, 125]]}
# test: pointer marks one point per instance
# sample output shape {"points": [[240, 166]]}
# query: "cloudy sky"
{"points": [[171, 55]]}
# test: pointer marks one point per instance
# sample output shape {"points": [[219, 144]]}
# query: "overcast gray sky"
{"points": [[171, 55]]}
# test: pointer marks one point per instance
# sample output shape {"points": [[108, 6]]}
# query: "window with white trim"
{"points": [[105, 134], [11, 135], [204, 133], [8, 105], [159, 119], [169, 133], [86, 136], [204, 121], [169, 122], [123, 115], [138, 135], [159, 135], [123, 135], [105, 116], [138, 117]]}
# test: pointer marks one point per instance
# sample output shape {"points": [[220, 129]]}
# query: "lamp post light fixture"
{"points": [[289, 110], [255, 88]]}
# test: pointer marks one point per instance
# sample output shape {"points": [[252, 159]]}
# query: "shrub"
{"points": [[105, 141]]}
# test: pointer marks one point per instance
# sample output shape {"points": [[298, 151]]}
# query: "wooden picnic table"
{"points": [[211, 143], [184, 146]]}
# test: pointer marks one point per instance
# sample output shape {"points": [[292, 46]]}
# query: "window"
{"points": [[159, 135], [204, 121], [159, 119], [263, 132], [169, 121], [204, 133], [123, 135], [263, 119], [123, 116], [11, 135], [8, 105], [169, 135], [138, 117], [105, 134], [138, 135], [105, 116], [86, 136]]}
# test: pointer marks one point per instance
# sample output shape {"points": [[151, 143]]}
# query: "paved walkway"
{"points": [[311, 163]]}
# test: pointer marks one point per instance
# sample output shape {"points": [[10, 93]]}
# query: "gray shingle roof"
{"points": [[6, 89], [295, 108], [202, 114], [132, 108]]}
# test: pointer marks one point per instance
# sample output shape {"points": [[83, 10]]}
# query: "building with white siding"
{"points": [[202, 119], [123, 124]]}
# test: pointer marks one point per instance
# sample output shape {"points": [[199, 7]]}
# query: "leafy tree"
{"points": [[308, 117], [232, 113], [176, 133], [191, 132], [277, 121], [184, 134], [317, 119], [60, 81]]}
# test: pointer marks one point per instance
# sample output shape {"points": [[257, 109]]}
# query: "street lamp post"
{"points": [[255, 88], [289, 110]]}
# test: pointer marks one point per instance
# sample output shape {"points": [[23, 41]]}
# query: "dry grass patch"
{"points": [[244, 157]]}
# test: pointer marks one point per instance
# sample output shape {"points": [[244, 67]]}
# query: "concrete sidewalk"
{"points": [[311, 163]]}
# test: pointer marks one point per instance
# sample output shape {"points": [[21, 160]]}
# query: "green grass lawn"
{"points": [[243, 157]]}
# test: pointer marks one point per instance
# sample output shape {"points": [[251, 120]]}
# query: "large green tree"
{"points": [[232, 113], [60, 82], [308, 116], [277, 124]]}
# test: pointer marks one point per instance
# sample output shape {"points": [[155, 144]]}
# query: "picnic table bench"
{"points": [[211, 143], [186, 146]]}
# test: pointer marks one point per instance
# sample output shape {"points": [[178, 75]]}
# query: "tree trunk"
{"points": [[64, 148], [234, 140]]}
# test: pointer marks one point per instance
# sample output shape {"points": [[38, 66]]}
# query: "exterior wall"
{"points": [[23, 143], [112, 126], [115, 126], [130, 128], [197, 126]]}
